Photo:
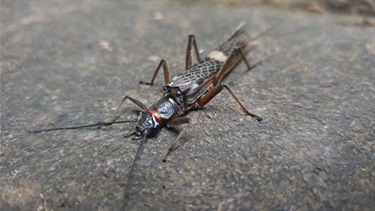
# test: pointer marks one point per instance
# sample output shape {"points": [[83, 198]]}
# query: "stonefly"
{"points": [[191, 90]]}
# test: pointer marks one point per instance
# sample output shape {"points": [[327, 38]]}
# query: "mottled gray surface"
{"points": [[71, 63]]}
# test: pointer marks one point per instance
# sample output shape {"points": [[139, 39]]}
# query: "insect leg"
{"points": [[118, 111], [215, 90], [216, 87], [174, 145], [243, 57], [163, 63], [188, 51], [178, 121], [234, 95], [228, 64]]}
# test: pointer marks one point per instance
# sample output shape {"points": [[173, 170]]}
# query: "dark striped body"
{"points": [[195, 82]]}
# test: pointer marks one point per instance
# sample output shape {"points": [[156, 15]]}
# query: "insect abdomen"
{"points": [[240, 39]]}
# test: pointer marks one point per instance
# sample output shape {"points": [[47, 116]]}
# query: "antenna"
{"points": [[80, 126]]}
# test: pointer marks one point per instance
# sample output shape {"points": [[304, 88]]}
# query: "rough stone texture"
{"points": [[71, 63]]}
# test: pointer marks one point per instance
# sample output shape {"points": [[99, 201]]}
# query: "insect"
{"points": [[191, 90]]}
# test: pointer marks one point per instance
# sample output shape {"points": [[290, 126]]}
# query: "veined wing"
{"points": [[191, 79], [197, 74]]}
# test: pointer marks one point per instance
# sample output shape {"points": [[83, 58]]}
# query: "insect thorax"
{"points": [[166, 108]]}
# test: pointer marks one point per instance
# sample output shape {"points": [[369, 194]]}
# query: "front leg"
{"points": [[134, 100], [175, 122]]}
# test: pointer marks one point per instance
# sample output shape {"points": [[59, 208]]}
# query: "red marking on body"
{"points": [[156, 115], [196, 105]]}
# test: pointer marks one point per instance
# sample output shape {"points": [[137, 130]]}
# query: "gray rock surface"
{"points": [[68, 63]]}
